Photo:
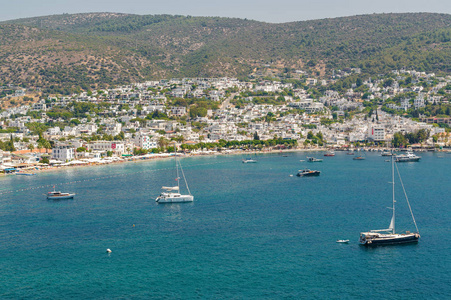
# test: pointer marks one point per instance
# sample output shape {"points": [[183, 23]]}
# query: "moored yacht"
{"points": [[409, 156], [57, 195], [249, 160], [374, 238], [329, 153], [389, 236], [172, 194], [313, 159], [307, 172]]}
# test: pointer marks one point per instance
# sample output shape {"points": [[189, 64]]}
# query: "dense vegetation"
{"points": [[403, 140], [69, 53]]}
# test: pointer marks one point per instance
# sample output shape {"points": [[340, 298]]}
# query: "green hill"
{"points": [[66, 53]]}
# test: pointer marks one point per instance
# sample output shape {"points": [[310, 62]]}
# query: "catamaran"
{"points": [[171, 194], [389, 236]]}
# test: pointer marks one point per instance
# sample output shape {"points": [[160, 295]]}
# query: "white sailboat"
{"points": [[171, 194], [389, 236]]}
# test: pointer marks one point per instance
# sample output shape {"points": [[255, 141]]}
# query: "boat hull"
{"points": [[181, 199], [313, 159], [312, 174], [396, 240], [407, 159], [70, 196]]}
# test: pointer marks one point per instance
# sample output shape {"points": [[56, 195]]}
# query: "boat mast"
{"points": [[177, 168], [407, 199], [392, 224]]}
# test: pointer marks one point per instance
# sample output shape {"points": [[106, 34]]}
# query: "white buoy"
{"points": [[108, 250], [291, 175]]}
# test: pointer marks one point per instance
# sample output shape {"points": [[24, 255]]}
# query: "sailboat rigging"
{"points": [[172, 194], [389, 236]]}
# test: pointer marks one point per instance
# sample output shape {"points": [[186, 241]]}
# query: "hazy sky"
{"points": [[274, 11]]}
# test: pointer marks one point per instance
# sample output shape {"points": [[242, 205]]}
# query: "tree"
{"points": [[46, 145], [320, 135], [256, 137], [180, 139], [399, 140], [75, 122], [30, 147], [163, 142], [358, 82]]}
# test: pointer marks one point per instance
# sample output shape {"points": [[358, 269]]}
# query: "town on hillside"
{"points": [[404, 109]]}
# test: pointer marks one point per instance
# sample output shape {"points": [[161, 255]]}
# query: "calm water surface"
{"points": [[253, 231]]}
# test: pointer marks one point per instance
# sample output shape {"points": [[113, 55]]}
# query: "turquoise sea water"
{"points": [[252, 232]]}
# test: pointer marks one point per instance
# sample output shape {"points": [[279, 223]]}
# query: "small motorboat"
{"points": [[307, 172], [313, 159], [343, 241], [57, 195], [329, 153], [249, 161]]}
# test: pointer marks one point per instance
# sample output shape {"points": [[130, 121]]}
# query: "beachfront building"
{"points": [[117, 147], [144, 142], [376, 133], [63, 153]]}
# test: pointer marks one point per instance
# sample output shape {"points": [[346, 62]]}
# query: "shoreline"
{"points": [[157, 157], [204, 153]]}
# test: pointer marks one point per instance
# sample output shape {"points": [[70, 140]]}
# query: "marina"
{"points": [[220, 239]]}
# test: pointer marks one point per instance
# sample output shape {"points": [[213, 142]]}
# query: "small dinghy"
{"points": [[342, 241]]}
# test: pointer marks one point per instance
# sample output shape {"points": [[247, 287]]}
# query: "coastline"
{"points": [[143, 158], [162, 156]]}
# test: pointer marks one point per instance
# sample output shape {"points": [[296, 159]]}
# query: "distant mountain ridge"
{"points": [[69, 52]]}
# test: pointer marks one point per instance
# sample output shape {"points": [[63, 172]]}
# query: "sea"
{"points": [[254, 231]]}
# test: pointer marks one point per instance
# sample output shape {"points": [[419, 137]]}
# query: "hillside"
{"points": [[65, 53]]}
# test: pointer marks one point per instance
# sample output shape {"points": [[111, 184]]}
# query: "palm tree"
{"points": [[180, 139], [162, 142]]}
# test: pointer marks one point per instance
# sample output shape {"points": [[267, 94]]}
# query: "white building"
{"points": [[40, 106], [144, 142], [63, 153], [418, 102], [405, 104], [116, 146], [178, 111], [376, 133]]}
